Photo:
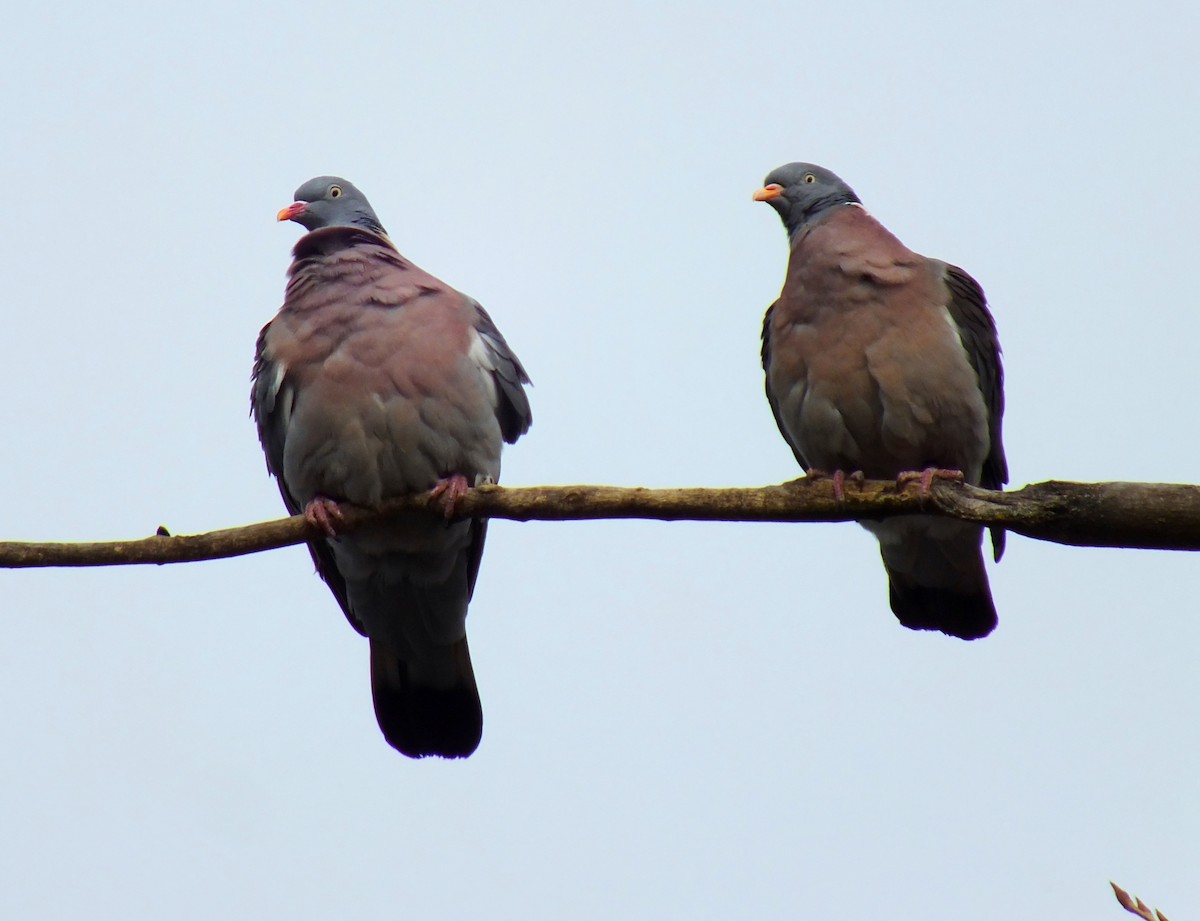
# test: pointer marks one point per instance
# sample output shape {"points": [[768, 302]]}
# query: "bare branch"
{"points": [[1147, 515]]}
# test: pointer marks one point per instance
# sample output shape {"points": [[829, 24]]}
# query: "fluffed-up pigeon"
{"points": [[375, 380], [886, 362]]}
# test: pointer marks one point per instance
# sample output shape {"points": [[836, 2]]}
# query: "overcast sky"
{"points": [[700, 721]]}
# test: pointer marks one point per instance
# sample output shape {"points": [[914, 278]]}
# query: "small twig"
{"points": [[1136, 906]]}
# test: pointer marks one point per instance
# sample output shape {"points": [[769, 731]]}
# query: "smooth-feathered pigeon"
{"points": [[376, 380], [883, 361]]}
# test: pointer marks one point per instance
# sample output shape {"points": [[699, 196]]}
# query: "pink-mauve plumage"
{"points": [[883, 361], [376, 380]]}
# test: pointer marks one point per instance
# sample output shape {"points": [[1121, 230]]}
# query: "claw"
{"points": [[839, 485], [323, 512], [926, 478], [839, 478], [447, 492]]}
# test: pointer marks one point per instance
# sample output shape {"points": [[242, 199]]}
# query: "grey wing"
{"points": [[512, 407], [271, 399], [512, 411], [271, 405], [968, 308], [766, 361]]}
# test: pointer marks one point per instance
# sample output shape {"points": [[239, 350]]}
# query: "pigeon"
{"points": [[375, 380], [883, 361]]}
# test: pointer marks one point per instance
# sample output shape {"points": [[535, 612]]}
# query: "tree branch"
{"points": [[1156, 516]]}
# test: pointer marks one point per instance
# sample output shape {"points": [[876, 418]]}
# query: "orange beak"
{"points": [[766, 193], [292, 211]]}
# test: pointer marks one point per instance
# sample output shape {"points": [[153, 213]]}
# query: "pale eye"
{"points": [[335, 191], [809, 177]]}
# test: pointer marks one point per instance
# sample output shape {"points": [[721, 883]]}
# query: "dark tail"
{"points": [[936, 577], [967, 615], [430, 709]]}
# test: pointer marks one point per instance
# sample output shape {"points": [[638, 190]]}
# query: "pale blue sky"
{"points": [[696, 721]]}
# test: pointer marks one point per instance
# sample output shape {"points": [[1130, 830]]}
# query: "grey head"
{"points": [[801, 192], [330, 201]]}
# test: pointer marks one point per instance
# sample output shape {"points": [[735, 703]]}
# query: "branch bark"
{"points": [[1156, 516]]}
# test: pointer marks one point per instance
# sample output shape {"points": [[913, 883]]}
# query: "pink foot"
{"points": [[839, 478], [839, 485], [323, 512], [927, 476], [447, 492]]}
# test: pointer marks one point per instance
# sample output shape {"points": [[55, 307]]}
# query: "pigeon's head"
{"points": [[328, 201], [802, 191]]}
